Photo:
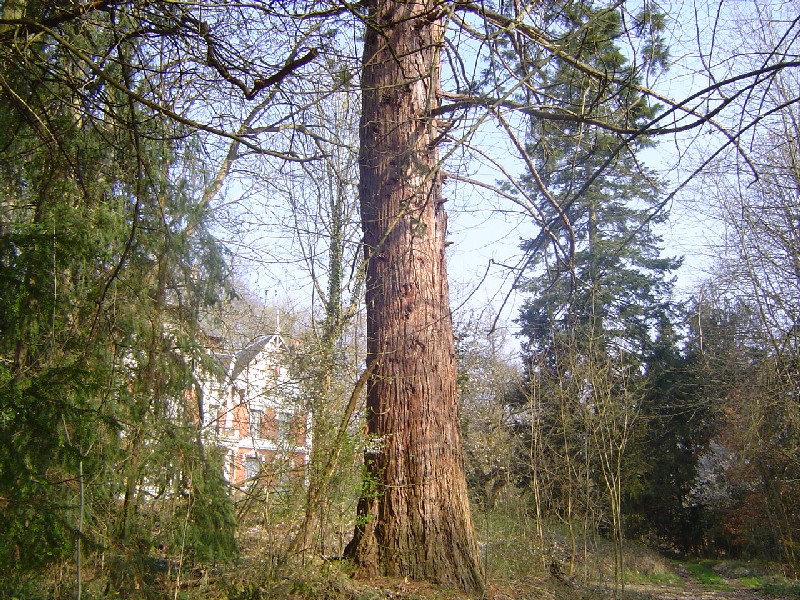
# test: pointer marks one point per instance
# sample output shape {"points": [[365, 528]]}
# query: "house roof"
{"points": [[247, 355]]}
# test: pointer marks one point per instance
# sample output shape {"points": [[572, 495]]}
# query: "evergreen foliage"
{"points": [[105, 258], [596, 270], [597, 285], [678, 409]]}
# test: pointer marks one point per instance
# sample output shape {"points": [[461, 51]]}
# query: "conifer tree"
{"points": [[597, 284], [678, 411], [600, 277], [105, 257]]}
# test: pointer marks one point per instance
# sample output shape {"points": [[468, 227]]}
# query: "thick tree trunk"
{"points": [[414, 517]]}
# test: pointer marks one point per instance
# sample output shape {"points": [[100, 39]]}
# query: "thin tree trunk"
{"points": [[79, 534], [414, 516]]}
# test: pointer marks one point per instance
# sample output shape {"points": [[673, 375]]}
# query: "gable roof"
{"points": [[247, 355]]}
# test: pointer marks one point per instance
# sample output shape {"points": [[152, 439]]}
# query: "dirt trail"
{"points": [[691, 591]]}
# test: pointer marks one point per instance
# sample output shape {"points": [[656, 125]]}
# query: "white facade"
{"points": [[251, 410]]}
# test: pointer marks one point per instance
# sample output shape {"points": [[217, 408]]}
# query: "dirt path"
{"points": [[690, 591], [687, 586]]}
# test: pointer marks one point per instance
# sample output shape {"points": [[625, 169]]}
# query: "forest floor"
{"points": [[542, 591], [701, 580], [700, 583], [691, 590], [718, 580]]}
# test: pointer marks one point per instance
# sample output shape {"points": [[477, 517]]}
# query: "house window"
{"points": [[252, 467], [213, 417], [256, 423], [220, 418], [285, 428]]}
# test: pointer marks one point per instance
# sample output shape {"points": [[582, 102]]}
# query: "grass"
{"points": [[643, 566], [517, 562], [780, 587], [706, 576], [752, 583]]}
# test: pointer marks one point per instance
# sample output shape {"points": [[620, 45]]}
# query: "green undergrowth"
{"points": [[313, 581], [645, 566], [726, 575], [520, 560], [706, 576], [780, 587]]}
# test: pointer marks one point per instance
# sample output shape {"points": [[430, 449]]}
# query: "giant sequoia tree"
{"points": [[414, 517]]}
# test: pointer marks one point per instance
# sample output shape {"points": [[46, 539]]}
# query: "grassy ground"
{"points": [[519, 560], [718, 579], [648, 577]]}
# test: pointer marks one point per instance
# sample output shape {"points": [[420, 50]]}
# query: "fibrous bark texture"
{"points": [[414, 517]]}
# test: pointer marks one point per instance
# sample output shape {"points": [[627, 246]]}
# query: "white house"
{"points": [[251, 410]]}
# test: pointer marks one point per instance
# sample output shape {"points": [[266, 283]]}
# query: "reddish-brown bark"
{"points": [[414, 517]]}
